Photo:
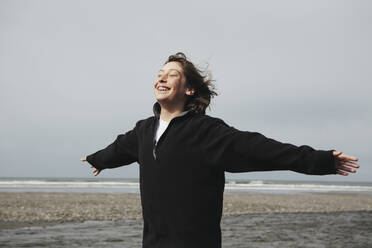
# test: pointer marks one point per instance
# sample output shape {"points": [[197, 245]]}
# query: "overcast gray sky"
{"points": [[75, 74]]}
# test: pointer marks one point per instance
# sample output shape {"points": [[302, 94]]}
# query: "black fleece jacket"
{"points": [[182, 176]]}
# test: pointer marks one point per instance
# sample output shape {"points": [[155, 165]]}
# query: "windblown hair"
{"points": [[198, 80]]}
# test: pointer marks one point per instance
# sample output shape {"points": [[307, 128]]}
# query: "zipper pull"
{"points": [[154, 150]]}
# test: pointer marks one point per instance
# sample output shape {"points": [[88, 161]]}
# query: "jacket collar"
{"points": [[156, 109]]}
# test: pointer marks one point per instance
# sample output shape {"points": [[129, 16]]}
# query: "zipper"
{"points": [[156, 144], [154, 150]]}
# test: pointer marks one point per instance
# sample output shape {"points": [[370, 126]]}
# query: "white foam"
{"points": [[255, 185], [296, 187], [65, 184]]}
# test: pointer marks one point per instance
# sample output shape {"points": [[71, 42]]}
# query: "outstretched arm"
{"points": [[123, 151], [243, 151]]}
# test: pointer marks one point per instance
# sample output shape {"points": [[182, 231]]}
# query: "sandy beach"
{"points": [[249, 220], [35, 208]]}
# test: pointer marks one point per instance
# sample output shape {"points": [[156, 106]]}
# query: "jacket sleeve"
{"points": [[123, 151], [243, 151]]}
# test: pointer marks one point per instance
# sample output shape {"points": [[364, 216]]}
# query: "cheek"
{"points": [[178, 84]]}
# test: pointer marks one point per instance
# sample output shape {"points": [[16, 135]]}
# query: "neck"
{"points": [[167, 113]]}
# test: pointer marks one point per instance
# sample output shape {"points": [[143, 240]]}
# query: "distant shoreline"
{"points": [[18, 209], [136, 179], [109, 185]]}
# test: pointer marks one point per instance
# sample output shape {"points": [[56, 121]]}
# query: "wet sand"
{"points": [[250, 220], [301, 230]]}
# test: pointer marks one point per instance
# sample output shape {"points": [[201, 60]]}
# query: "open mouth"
{"points": [[163, 88]]}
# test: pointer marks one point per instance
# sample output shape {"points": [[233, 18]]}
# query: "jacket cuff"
{"points": [[327, 160], [93, 161]]}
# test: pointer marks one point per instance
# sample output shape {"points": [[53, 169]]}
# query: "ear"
{"points": [[190, 92]]}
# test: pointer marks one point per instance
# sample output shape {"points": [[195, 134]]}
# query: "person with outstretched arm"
{"points": [[183, 155]]}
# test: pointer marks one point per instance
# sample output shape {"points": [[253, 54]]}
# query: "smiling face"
{"points": [[170, 85]]}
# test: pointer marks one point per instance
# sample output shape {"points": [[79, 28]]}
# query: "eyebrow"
{"points": [[172, 69]]}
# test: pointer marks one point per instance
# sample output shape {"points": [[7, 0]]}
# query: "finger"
{"points": [[351, 164], [344, 168], [347, 157], [336, 153], [83, 159], [96, 171], [342, 173]]}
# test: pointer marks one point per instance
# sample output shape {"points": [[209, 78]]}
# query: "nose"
{"points": [[163, 78]]}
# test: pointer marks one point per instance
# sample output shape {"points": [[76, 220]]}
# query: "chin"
{"points": [[162, 100], [161, 97]]}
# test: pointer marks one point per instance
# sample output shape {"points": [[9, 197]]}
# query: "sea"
{"points": [[131, 185], [275, 230]]}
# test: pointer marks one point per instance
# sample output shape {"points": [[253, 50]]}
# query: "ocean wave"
{"points": [[254, 185]]}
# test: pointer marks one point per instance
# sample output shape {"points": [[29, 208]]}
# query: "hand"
{"points": [[343, 163], [95, 171]]}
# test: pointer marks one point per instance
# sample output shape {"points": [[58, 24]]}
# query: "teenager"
{"points": [[183, 155]]}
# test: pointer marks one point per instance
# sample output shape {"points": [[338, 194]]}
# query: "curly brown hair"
{"points": [[198, 80]]}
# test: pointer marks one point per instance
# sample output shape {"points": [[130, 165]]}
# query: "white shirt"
{"points": [[162, 126]]}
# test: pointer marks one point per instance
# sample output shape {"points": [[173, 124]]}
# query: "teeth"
{"points": [[161, 88]]}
